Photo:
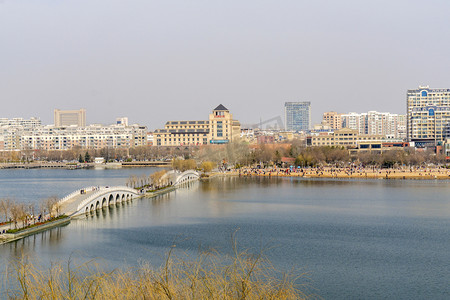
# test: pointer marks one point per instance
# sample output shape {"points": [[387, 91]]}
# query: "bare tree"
{"points": [[42, 208], [23, 214], [207, 166], [17, 213], [5, 205], [52, 206], [134, 180], [157, 176], [31, 211], [143, 179], [184, 164]]}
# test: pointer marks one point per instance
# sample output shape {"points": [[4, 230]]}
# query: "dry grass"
{"points": [[208, 276]]}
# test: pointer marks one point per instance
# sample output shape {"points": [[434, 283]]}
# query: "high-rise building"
{"points": [[297, 115], [428, 114], [401, 126], [332, 119], [375, 123], [355, 121], [122, 121], [70, 117]]}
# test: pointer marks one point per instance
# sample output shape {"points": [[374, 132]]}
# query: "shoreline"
{"points": [[433, 174], [11, 237], [76, 166]]}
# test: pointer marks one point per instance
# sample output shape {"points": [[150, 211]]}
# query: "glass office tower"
{"points": [[297, 115]]}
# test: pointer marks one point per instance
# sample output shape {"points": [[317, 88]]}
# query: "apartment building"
{"points": [[428, 114], [21, 122], [94, 137], [375, 123], [355, 121], [332, 119]]}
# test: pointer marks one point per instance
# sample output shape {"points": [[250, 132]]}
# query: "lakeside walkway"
{"points": [[6, 227]]}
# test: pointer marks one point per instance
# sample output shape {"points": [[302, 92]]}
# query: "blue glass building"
{"points": [[297, 115]]}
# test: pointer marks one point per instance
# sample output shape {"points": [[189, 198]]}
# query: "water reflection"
{"points": [[27, 246], [29, 186]]}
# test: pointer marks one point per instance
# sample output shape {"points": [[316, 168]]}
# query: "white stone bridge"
{"points": [[177, 178], [92, 198]]}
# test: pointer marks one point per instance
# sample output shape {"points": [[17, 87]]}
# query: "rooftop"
{"points": [[221, 107]]}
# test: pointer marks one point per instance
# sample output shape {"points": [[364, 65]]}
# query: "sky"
{"points": [[154, 61]]}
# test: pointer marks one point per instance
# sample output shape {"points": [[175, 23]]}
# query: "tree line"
{"points": [[21, 215], [152, 181], [239, 154], [140, 153], [235, 154]]}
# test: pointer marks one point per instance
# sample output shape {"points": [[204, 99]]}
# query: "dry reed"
{"points": [[208, 276]]}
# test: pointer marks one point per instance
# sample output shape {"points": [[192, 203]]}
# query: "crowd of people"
{"points": [[351, 171]]}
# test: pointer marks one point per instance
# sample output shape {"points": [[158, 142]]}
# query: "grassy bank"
{"points": [[208, 276]]}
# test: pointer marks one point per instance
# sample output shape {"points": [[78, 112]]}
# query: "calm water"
{"points": [[32, 185], [370, 239]]}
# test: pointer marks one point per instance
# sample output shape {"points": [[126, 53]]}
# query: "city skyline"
{"points": [[112, 120], [142, 58]]}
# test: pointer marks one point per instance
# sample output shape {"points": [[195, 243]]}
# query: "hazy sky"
{"points": [[154, 61]]}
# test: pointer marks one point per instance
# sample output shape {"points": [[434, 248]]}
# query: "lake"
{"points": [[356, 239]]}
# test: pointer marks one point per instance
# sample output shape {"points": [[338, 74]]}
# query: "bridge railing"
{"points": [[73, 194], [105, 190]]}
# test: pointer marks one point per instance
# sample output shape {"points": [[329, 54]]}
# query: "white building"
{"points": [[21, 122], [354, 121], [65, 138], [375, 123]]}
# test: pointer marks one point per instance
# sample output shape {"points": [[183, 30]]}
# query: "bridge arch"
{"points": [[187, 176], [95, 198]]}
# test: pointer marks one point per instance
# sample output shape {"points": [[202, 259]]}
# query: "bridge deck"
{"points": [[70, 206]]}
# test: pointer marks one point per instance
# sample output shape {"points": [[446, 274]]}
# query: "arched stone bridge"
{"points": [[177, 178], [187, 176], [93, 198]]}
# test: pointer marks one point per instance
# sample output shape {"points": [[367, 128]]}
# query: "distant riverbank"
{"points": [[328, 172], [75, 165]]}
